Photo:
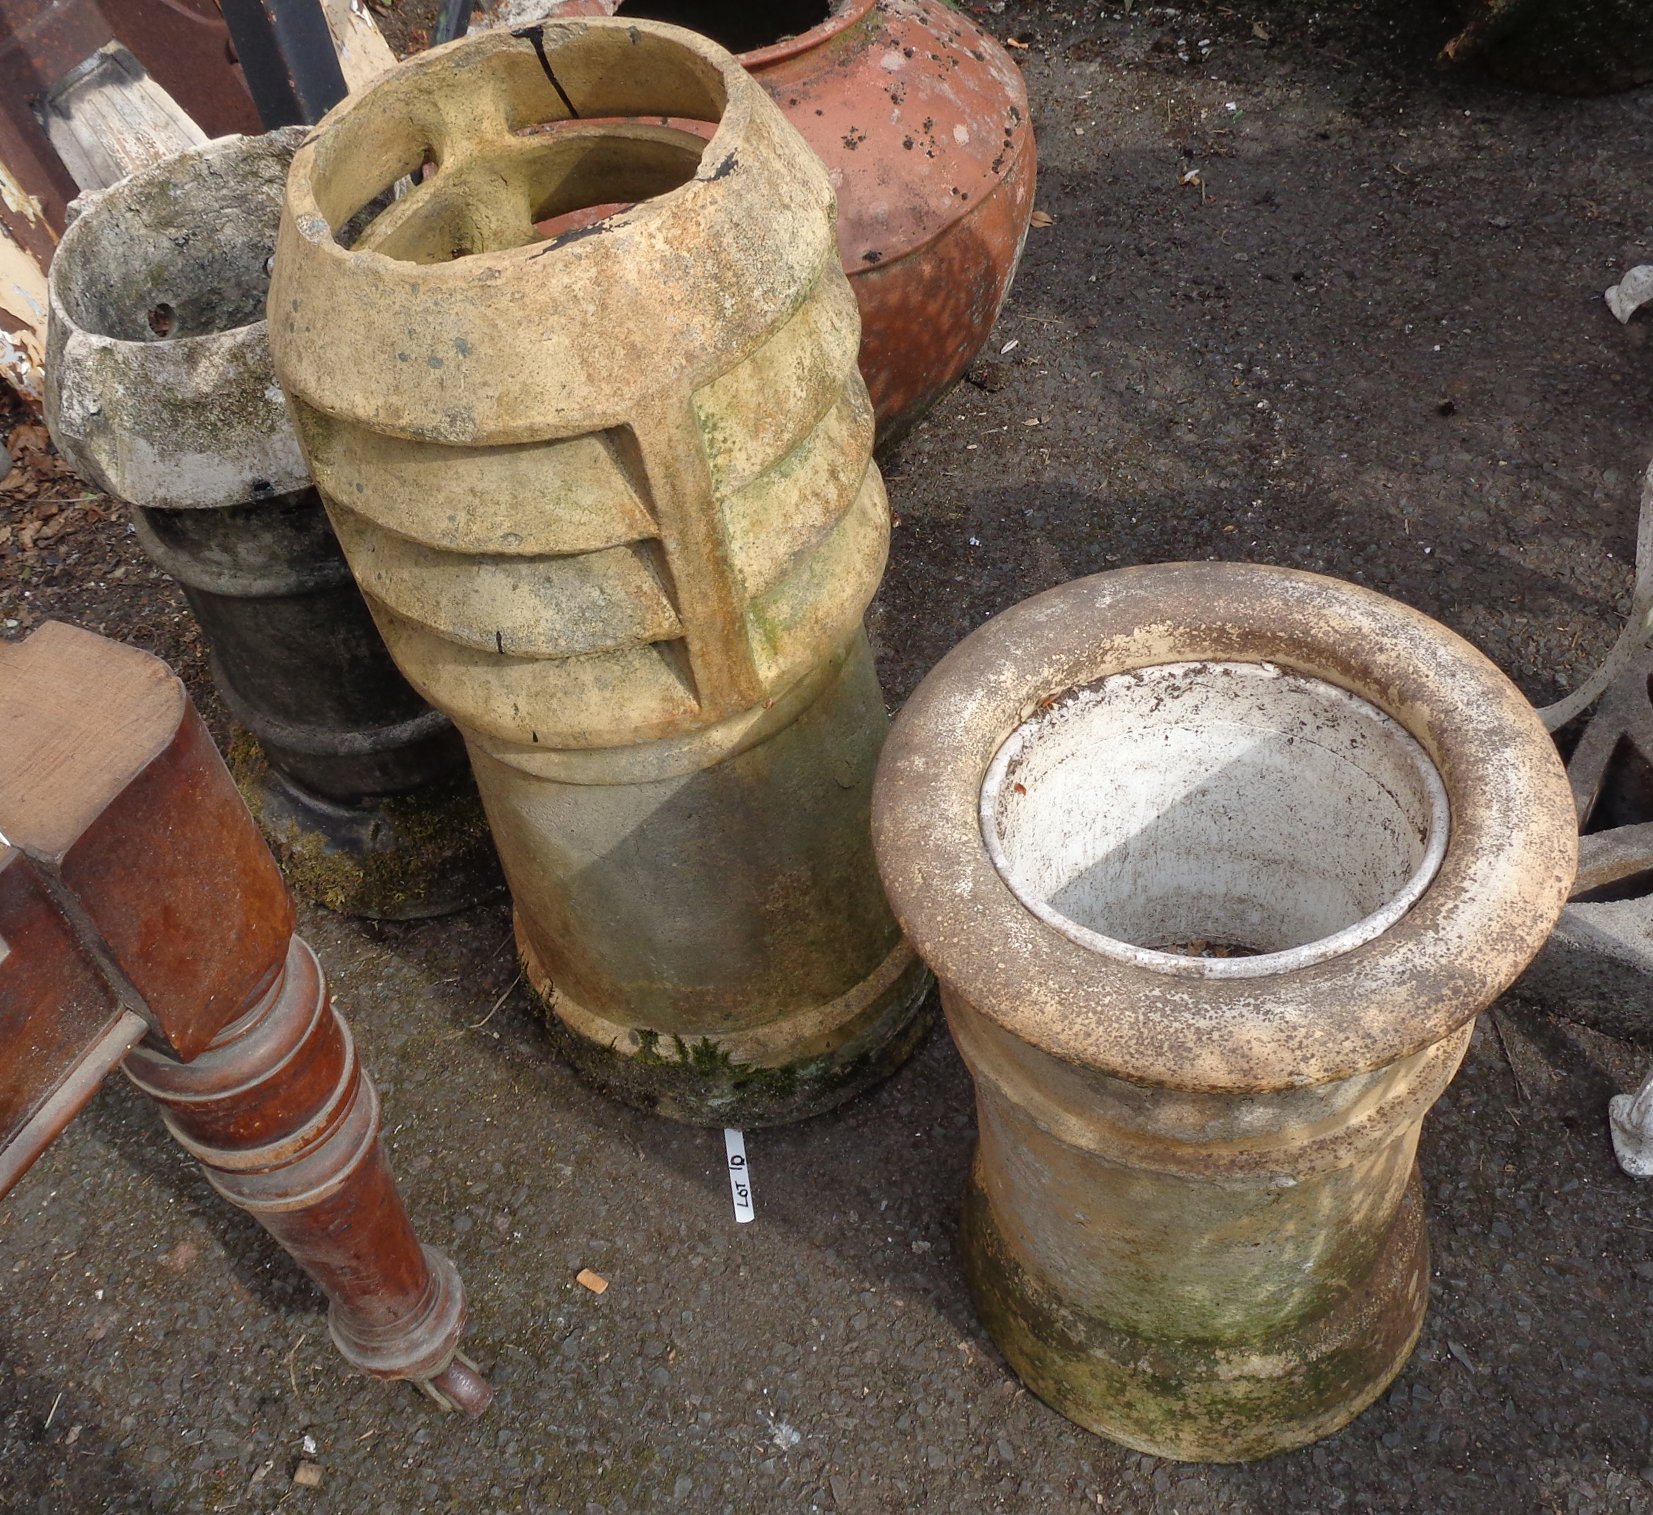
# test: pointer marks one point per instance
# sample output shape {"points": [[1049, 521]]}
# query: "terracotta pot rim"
{"points": [[847, 13], [1499, 890]]}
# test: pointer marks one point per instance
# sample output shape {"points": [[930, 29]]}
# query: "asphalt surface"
{"points": [[1254, 366]]}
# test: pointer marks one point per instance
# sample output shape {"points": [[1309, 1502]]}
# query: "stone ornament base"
{"points": [[397, 858], [1597, 969], [1597, 966], [616, 556], [1627, 1121], [1193, 1401], [785, 1070], [162, 392]]}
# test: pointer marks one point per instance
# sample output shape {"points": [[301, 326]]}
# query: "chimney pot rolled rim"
{"points": [[1509, 863]]}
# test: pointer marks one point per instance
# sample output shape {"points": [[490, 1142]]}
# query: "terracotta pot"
{"points": [[922, 121], [1216, 865], [611, 499]]}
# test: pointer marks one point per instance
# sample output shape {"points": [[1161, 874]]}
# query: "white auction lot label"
{"points": [[740, 1181]]}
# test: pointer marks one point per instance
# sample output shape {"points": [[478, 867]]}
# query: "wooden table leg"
{"points": [[285, 1122]]}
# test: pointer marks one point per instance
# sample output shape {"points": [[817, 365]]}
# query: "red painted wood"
{"points": [[61, 1027], [134, 883], [286, 1124]]}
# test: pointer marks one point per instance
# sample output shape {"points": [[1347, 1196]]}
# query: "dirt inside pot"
{"points": [[738, 26]]}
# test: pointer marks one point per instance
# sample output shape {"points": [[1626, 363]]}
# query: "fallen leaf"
{"points": [[1043, 218], [307, 1475], [593, 1281], [72, 1437], [182, 1255], [1032, 421], [31, 437], [1260, 32], [16, 479]]}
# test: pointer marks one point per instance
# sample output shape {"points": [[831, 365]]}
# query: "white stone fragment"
{"points": [[1630, 1117], [1632, 292]]}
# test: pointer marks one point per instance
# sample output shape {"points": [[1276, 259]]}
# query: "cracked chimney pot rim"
{"points": [[731, 120]]}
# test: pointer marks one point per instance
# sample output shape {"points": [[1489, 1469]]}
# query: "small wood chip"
{"points": [[593, 1281], [307, 1475]]}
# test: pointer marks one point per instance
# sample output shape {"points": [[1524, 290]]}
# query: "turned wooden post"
{"points": [[137, 900]]}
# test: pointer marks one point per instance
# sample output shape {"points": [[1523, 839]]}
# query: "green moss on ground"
{"points": [[431, 851], [699, 1083]]}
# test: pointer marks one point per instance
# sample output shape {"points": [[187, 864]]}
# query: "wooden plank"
{"points": [[80, 718], [363, 52], [80, 1083], [107, 118]]}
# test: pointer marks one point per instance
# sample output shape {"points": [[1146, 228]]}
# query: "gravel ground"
{"points": [[1369, 340]]}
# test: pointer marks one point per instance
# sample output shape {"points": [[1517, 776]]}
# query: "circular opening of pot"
{"points": [[564, 118], [737, 25], [180, 250], [564, 181], [1214, 820]]}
